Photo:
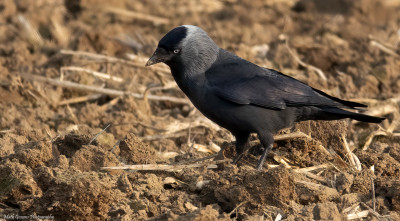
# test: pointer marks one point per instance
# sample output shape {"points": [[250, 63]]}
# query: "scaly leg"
{"points": [[267, 141], [242, 145]]}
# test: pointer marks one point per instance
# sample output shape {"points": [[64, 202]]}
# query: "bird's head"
{"points": [[186, 45]]}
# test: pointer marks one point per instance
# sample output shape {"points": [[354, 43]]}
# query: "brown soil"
{"points": [[52, 153]]}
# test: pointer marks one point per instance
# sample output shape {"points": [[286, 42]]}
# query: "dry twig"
{"points": [[132, 14], [378, 133], [174, 129], [167, 155], [308, 169], [110, 92], [384, 49], [60, 32], [98, 134], [358, 215], [80, 99], [237, 207], [315, 177], [200, 121], [294, 135], [388, 49], [372, 211], [349, 153], [201, 147], [372, 168], [357, 162], [302, 63], [281, 160], [312, 185], [146, 167], [111, 59], [163, 136], [94, 73], [200, 159], [352, 209], [6, 131], [73, 116], [30, 33]]}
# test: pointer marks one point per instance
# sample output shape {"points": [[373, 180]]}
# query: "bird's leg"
{"points": [[242, 145], [267, 142], [237, 158], [263, 157]]}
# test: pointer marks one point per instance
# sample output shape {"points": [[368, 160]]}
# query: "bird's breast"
{"points": [[196, 88]]}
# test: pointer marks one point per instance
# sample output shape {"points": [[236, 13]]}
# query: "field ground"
{"points": [[60, 123]]}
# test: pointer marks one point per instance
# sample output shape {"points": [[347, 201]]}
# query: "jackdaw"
{"points": [[241, 96]]}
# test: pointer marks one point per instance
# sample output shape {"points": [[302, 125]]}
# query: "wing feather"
{"points": [[245, 83]]}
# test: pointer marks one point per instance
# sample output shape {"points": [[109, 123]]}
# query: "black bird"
{"points": [[241, 96]]}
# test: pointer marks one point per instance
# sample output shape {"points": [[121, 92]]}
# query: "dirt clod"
{"points": [[326, 211], [133, 151], [274, 187], [91, 158], [310, 192], [344, 182]]}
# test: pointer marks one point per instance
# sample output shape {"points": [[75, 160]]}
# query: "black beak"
{"points": [[154, 59], [151, 61]]}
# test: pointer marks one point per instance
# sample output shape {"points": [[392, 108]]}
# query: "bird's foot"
{"points": [[263, 158], [260, 165], [237, 158]]}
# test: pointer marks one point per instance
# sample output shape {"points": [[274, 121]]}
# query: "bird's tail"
{"points": [[349, 104], [340, 113]]}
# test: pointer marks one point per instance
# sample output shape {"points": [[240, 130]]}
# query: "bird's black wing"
{"points": [[242, 82]]}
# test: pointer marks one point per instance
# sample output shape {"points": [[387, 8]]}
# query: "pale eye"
{"points": [[176, 51]]}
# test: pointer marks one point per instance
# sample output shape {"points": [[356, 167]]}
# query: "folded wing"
{"points": [[267, 88]]}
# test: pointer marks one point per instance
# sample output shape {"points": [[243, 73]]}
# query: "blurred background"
{"points": [[348, 48], [71, 69]]}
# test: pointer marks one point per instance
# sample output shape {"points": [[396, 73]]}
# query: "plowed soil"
{"points": [[60, 125]]}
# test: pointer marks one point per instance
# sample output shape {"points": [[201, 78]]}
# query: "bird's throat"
{"points": [[189, 82]]}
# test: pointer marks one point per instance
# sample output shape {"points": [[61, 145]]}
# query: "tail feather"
{"points": [[349, 104], [356, 116]]}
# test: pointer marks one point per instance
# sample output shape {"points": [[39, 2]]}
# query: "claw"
{"points": [[263, 158], [237, 158]]}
